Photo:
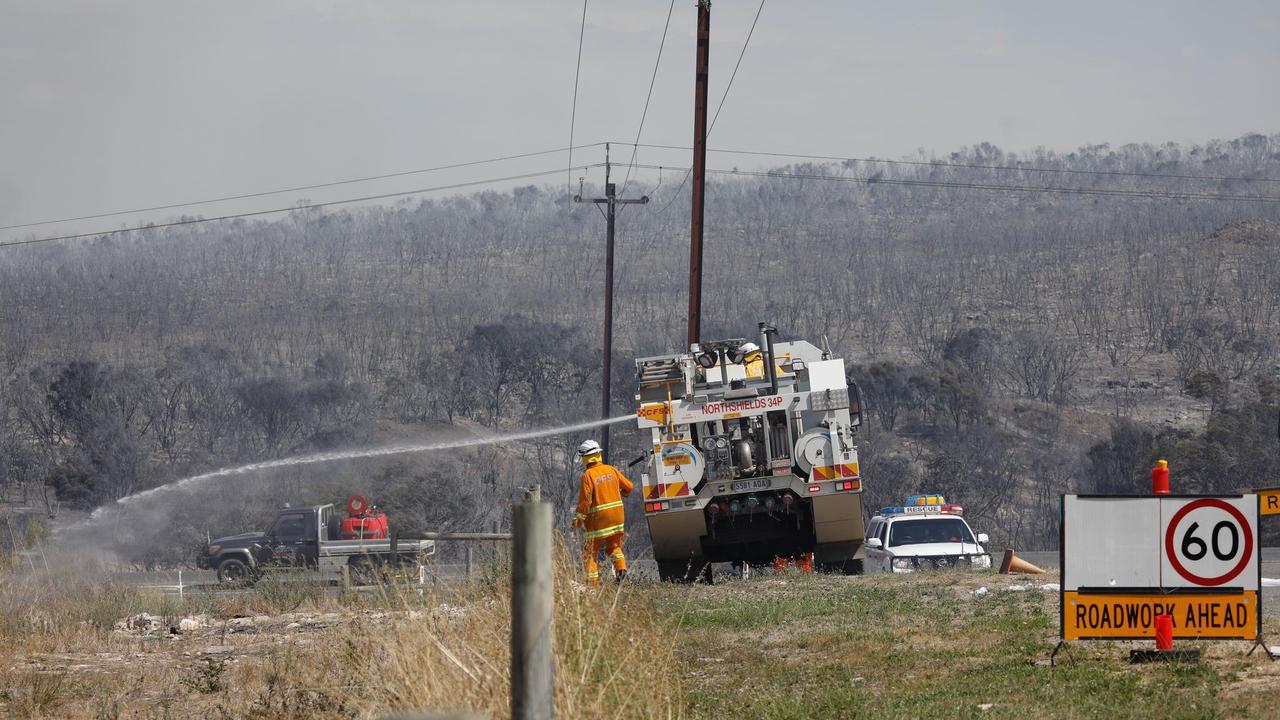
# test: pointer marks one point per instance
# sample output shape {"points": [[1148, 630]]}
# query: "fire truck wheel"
{"points": [[843, 567], [671, 571], [233, 571], [685, 571]]}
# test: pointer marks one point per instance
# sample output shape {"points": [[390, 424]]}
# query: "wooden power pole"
{"points": [[611, 201], [699, 168]]}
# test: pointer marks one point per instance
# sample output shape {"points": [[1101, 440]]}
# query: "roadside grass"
{"points": [[788, 647], [290, 648], [802, 647]]}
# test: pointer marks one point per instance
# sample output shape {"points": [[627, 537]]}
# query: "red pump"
{"points": [[364, 521]]}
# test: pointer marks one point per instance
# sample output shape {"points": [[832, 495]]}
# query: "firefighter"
{"points": [[600, 512], [753, 360]]}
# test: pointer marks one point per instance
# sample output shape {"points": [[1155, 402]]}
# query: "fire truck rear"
{"points": [[750, 467]]}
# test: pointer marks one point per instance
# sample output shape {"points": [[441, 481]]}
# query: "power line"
{"points": [[305, 206], [661, 44], [573, 112], [971, 166], [1104, 192], [265, 193], [1110, 192], [726, 151], [733, 75], [676, 193]]}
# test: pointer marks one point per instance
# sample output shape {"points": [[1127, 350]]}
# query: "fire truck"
{"points": [[749, 467]]}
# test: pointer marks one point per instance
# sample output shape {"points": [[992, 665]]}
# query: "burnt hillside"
{"points": [[1011, 344]]}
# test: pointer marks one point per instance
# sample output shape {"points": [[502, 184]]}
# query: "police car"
{"points": [[924, 534]]}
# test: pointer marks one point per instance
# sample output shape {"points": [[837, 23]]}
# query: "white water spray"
{"points": [[187, 483]]}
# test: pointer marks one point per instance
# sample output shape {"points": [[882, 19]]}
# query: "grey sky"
{"points": [[113, 105]]}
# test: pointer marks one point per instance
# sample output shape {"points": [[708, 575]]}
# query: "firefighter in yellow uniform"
{"points": [[753, 360], [600, 512]]}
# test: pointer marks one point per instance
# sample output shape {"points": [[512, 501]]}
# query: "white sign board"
{"points": [[1112, 544]]}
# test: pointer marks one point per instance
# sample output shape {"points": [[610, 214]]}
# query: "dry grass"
{"points": [[775, 647], [286, 650]]}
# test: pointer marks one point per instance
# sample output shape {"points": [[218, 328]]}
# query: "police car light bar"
{"points": [[923, 504], [926, 500]]}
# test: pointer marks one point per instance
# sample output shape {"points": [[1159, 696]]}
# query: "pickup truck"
{"points": [[924, 534], [308, 537]]}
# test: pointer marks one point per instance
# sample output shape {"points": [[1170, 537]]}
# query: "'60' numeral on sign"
{"points": [[1194, 548]]}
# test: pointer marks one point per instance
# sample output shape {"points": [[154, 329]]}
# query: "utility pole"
{"points": [[611, 201], [699, 168]]}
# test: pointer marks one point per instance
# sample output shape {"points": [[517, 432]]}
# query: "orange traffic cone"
{"points": [[806, 563], [1014, 564], [803, 563]]}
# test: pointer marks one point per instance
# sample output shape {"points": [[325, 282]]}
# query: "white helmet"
{"points": [[748, 347], [590, 447]]}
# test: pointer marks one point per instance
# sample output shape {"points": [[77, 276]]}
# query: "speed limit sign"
{"points": [[1127, 559], [1209, 542]]}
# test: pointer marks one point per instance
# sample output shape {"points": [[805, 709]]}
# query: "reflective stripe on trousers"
{"points": [[592, 547]]}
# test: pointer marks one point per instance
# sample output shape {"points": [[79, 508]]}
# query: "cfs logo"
{"points": [[653, 412]]}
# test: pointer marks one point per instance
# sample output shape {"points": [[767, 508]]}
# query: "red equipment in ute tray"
{"points": [[357, 505], [363, 523]]}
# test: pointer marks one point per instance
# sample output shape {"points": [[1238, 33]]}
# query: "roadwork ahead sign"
{"points": [[1269, 501], [1126, 559]]}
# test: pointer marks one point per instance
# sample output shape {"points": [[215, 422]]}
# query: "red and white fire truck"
{"points": [[750, 467]]}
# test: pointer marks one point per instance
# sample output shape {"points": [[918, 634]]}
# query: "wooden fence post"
{"points": [[532, 663]]}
